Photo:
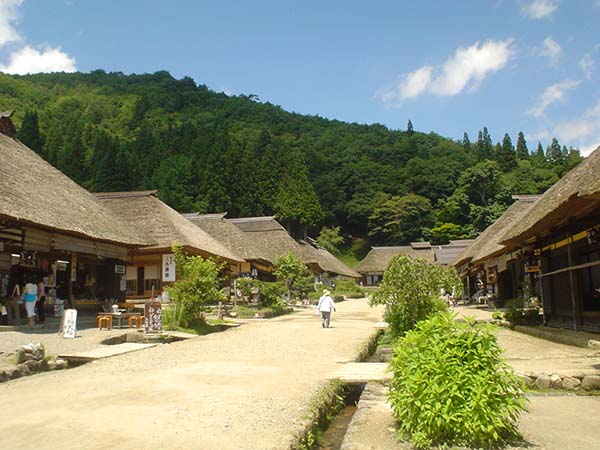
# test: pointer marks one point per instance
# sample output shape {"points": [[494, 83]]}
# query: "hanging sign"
{"points": [[119, 268], [532, 268], [69, 324], [168, 267], [152, 317], [74, 267]]}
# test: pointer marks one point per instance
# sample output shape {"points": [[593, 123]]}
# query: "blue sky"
{"points": [[449, 66]]}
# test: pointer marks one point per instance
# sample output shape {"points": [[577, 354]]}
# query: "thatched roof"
{"points": [[487, 243], [315, 254], [160, 224], [446, 254], [34, 192], [230, 236], [574, 196], [268, 235], [378, 259]]}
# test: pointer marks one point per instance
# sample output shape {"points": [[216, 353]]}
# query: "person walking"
{"points": [[325, 307], [30, 298]]}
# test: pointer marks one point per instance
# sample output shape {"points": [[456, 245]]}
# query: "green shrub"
{"points": [[197, 285], [295, 274], [271, 293], [516, 313], [410, 291], [349, 288], [246, 285], [451, 386]]}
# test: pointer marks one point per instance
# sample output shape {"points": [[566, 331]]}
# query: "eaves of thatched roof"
{"points": [[312, 253], [378, 258], [488, 243], [157, 222], [230, 236], [573, 197], [34, 192]]}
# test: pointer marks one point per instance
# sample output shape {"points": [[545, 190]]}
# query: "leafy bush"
{"points": [[246, 285], [349, 288], [271, 293], [518, 314], [197, 284], [451, 386], [410, 291]]}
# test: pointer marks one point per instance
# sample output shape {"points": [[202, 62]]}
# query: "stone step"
{"points": [[105, 352], [362, 372]]}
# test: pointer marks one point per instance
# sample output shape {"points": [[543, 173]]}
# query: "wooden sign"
{"points": [[168, 267], [530, 269], [69, 324], [152, 317]]}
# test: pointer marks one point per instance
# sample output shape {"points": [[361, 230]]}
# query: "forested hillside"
{"points": [[209, 152]]}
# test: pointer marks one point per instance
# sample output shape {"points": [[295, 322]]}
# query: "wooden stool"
{"points": [[135, 321], [104, 321]]}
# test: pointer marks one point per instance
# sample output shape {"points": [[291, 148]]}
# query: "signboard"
{"points": [[119, 268], [168, 267], [69, 324], [152, 317], [530, 269]]}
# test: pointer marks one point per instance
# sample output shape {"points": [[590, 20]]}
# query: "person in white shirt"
{"points": [[30, 296], [325, 308]]}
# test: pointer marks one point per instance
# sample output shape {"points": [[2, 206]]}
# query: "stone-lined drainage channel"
{"points": [[333, 407]]}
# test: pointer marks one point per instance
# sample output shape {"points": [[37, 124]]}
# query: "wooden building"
{"points": [[152, 267], [323, 263], [374, 265], [489, 268], [560, 242], [446, 254], [53, 229]]}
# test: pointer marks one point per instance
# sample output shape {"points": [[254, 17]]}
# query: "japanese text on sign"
{"points": [[168, 267]]}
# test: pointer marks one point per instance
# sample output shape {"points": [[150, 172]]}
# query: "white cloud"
{"points": [[467, 67], [550, 49], [539, 9], [29, 60], [552, 94], [587, 63], [9, 14], [583, 131]]}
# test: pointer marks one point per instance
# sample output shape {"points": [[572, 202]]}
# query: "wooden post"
{"points": [[572, 286], [541, 281]]}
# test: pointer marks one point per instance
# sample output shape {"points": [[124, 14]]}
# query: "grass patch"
{"points": [[201, 327], [248, 312], [353, 251]]}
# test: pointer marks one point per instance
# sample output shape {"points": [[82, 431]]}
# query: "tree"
{"points": [[173, 180], [522, 151], [400, 220], [73, 160], [297, 204], [410, 291], [29, 133], [292, 270], [507, 157], [197, 284], [409, 128], [484, 144], [330, 239], [466, 143], [554, 153]]}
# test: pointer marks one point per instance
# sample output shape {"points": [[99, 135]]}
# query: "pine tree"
{"points": [[487, 146], [554, 153], [506, 156], [296, 203], [466, 143], [522, 150], [409, 128], [73, 160], [29, 133]]}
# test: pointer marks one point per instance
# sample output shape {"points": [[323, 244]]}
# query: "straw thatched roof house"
{"points": [[152, 266], [559, 239], [574, 196], [487, 265], [268, 236], [52, 228], [235, 240], [446, 254], [323, 261], [34, 192], [372, 267]]}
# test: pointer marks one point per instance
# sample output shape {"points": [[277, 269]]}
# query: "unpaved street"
{"points": [[246, 388]]}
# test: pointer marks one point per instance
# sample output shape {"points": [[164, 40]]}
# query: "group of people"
{"points": [[32, 295]]}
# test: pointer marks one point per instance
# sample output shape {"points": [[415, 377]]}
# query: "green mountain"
{"points": [[209, 152]]}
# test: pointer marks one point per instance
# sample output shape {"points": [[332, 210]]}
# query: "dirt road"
{"points": [[247, 388]]}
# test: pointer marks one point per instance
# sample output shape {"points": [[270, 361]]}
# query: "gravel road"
{"points": [[246, 388]]}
